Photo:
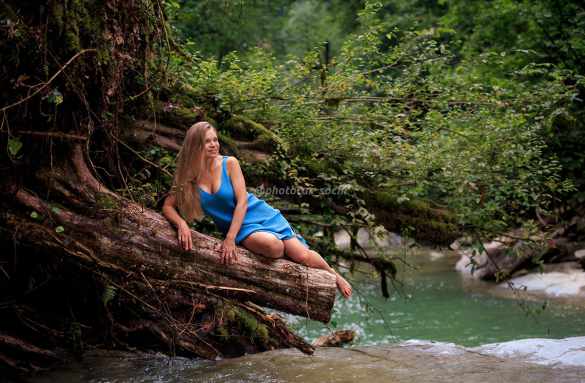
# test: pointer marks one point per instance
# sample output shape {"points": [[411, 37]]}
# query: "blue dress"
{"points": [[260, 216]]}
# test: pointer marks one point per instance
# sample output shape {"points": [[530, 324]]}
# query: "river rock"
{"points": [[435, 255], [580, 254], [506, 256], [549, 352], [386, 239], [342, 239], [561, 280], [477, 265], [460, 243], [363, 237], [379, 237], [335, 339]]}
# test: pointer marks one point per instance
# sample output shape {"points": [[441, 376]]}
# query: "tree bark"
{"points": [[78, 263], [123, 235], [184, 301]]}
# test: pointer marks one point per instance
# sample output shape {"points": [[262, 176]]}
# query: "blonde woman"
{"points": [[206, 182]]}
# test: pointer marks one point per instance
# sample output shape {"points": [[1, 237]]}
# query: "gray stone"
{"points": [[363, 237], [342, 239], [580, 254]]}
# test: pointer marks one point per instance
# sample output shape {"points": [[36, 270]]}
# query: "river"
{"points": [[433, 303]]}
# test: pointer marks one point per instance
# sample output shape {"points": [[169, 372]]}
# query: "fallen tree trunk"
{"points": [[124, 235], [144, 242], [185, 301], [335, 339]]}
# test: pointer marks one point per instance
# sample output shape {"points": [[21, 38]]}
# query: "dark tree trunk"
{"points": [[186, 298], [81, 266]]}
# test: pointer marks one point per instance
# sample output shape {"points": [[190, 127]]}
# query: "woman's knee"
{"points": [[300, 256], [274, 248], [313, 253]]}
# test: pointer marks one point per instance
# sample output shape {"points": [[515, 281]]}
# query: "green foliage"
{"points": [[14, 146], [242, 323], [109, 294], [457, 103], [283, 26], [105, 201], [149, 185], [55, 97]]}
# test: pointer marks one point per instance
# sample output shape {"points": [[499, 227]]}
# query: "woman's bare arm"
{"points": [[183, 230], [239, 185]]}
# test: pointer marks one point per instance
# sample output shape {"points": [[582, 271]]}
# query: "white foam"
{"points": [[550, 352], [440, 348]]}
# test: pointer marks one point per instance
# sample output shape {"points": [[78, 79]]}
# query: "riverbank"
{"points": [[472, 336], [412, 361], [562, 282]]}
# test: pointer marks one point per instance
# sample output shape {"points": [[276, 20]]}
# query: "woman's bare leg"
{"points": [[296, 251], [263, 243]]}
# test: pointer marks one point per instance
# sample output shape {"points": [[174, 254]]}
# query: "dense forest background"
{"points": [[472, 106], [430, 118]]}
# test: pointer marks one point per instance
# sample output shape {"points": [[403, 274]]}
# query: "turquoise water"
{"points": [[437, 303], [434, 303]]}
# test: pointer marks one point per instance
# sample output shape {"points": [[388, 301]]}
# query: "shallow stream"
{"points": [[433, 303]]}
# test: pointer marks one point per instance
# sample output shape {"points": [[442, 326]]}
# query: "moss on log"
{"points": [[259, 137], [415, 218]]}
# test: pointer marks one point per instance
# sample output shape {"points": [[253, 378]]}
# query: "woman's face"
{"points": [[211, 143]]}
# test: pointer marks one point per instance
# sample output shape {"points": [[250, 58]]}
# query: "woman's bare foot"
{"points": [[343, 286]]}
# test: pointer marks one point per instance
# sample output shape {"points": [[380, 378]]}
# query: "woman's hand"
{"points": [[228, 251], [184, 235]]}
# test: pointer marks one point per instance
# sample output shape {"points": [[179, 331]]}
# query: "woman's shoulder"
{"points": [[231, 163], [231, 160]]}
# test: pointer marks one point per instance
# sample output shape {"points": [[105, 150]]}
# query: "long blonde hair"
{"points": [[189, 169]]}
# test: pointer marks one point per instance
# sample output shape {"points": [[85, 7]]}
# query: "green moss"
{"points": [[244, 128], [57, 12], [262, 333], [387, 200], [180, 116], [247, 321], [230, 315], [105, 201], [222, 332], [416, 218], [228, 144], [249, 325], [266, 142], [238, 128]]}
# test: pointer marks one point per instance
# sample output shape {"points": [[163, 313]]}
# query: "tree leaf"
{"points": [[14, 146], [109, 294]]}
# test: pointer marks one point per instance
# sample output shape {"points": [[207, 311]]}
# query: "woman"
{"points": [[207, 182]]}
